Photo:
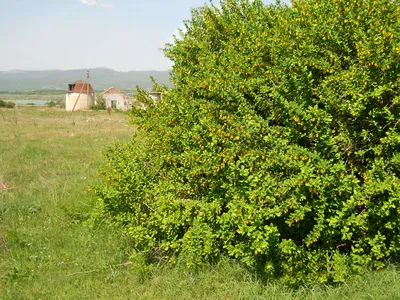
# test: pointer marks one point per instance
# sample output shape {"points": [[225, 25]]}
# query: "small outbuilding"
{"points": [[80, 95], [155, 95], [116, 99]]}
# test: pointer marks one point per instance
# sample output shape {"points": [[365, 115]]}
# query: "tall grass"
{"points": [[48, 158]]}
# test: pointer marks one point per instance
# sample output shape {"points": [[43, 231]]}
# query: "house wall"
{"points": [[121, 102], [84, 102], [155, 95]]}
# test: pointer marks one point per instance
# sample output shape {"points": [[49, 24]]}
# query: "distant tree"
{"points": [[7, 104], [51, 103], [99, 104]]}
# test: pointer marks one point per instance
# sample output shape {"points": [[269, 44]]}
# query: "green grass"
{"points": [[48, 158]]}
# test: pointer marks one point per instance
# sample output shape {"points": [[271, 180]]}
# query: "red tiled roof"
{"points": [[80, 86], [113, 90]]}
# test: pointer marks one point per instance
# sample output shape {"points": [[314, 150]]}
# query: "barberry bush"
{"points": [[278, 145]]}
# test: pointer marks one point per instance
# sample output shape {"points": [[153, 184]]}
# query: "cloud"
{"points": [[96, 3]]}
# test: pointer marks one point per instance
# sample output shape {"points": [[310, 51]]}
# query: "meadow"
{"points": [[48, 250]]}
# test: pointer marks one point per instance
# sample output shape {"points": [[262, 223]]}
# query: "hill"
{"points": [[100, 78]]}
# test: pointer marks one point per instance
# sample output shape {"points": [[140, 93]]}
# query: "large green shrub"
{"points": [[278, 146]]}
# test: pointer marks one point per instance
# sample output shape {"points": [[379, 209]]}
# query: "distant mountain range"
{"points": [[100, 78]]}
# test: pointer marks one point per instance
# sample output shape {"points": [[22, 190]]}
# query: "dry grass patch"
{"points": [[3, 185]]}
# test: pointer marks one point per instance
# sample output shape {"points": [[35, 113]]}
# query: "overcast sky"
{"points": [[76, 34]]}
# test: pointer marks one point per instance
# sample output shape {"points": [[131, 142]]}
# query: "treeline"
{"points": [[35, 92]]}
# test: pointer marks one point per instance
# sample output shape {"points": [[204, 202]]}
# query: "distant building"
{"points": [[115, 99], [155, 95], [80, 96]]}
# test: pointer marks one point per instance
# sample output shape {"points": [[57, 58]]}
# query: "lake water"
{"points": [[24, 102]]}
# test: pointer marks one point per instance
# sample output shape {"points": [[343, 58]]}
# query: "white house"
{"points": [[116, 99], [80, 96]]}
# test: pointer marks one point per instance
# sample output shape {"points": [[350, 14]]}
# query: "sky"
{"points": [[123, 35]]}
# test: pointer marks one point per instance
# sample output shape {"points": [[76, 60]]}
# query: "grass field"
{"points": [[48, 158]]}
